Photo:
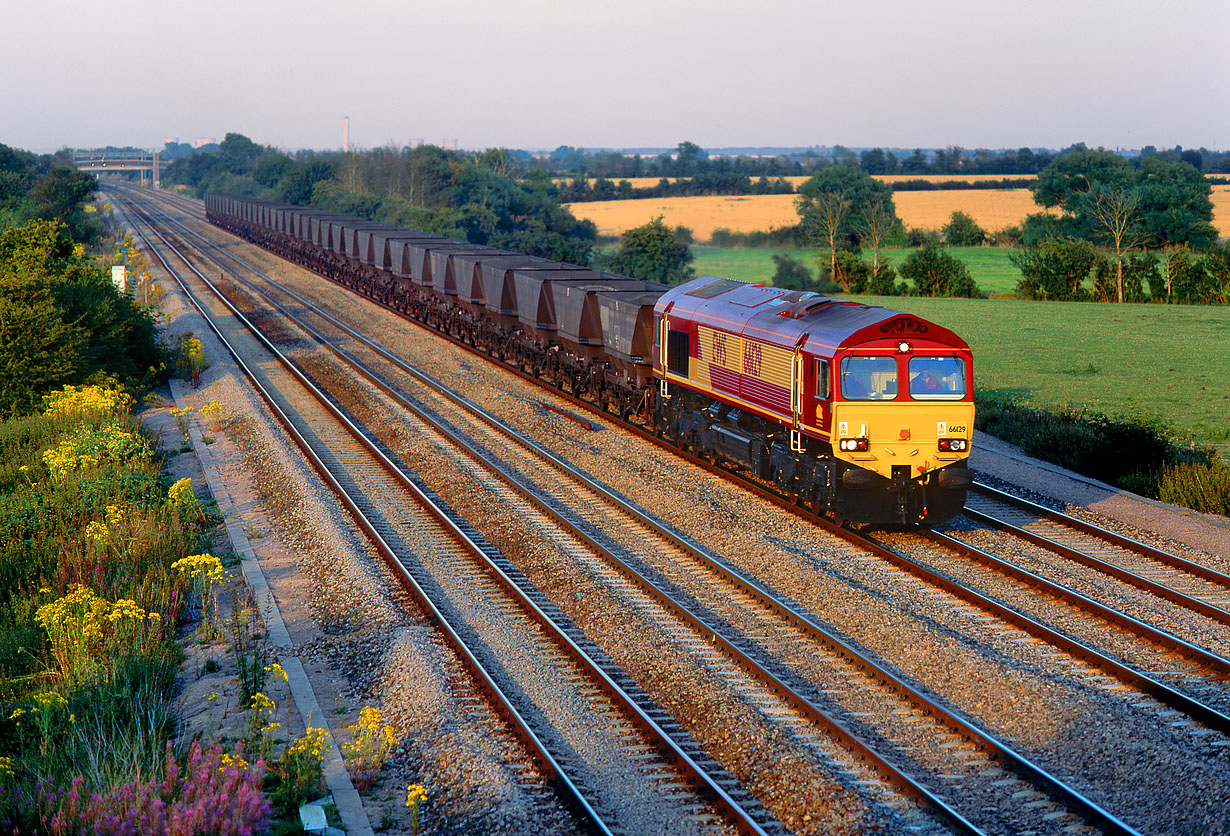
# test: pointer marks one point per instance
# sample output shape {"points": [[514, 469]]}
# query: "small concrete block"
{"points": [[312, 817]]}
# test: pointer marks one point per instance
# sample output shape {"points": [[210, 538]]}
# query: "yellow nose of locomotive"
{"points": [[881, 436]]}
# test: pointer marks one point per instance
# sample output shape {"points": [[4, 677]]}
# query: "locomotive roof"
{"points": [[782, 317]]}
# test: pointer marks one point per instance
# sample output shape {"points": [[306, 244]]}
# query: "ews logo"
{"points": [[751, 359]]}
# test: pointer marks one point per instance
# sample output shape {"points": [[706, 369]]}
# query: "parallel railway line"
{"points": [[450, 568], [810, 694]]}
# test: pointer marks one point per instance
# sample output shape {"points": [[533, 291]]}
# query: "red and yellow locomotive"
{"points": [[860, 412]]}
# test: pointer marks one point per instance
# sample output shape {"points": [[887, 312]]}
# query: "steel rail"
{"points": [[1166, 558], [744, 822], [1160, 555]]}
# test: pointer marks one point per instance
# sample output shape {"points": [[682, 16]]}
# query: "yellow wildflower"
{"points": [[86, 403], [312, 743], [204, 566], [415, 795], [96, 531], [50, 699]]}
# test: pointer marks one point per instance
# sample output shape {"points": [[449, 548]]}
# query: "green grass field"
{"points": [[989, 266], [1169, 362]]}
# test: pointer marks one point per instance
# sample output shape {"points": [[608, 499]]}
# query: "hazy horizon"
{"points": [[636, 74]]}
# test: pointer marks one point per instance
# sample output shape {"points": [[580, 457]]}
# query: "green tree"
{"points": [[1116, 220], [874, 223], [829, 200], [1217, 268], [1172, 198], [1176, 204], [1055, 270], [63, 321], [1064, 182], [39, 348], [61, 196], [792, 273], [651, 252], [963, 231], [824, 222], [935, 272]]}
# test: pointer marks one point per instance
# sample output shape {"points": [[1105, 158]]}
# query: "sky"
{"points": [[618, 73]]}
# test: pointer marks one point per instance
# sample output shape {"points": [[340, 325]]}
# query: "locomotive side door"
{"points": [[797, 367]]}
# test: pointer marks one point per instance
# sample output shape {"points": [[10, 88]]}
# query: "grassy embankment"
{"points": [[98, 571]]}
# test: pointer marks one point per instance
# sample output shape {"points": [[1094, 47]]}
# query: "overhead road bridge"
{"points": [[99, 161]]}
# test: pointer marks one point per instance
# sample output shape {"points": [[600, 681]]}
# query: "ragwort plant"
{"points": [[300, 771], [88, 603], [367, 752]]}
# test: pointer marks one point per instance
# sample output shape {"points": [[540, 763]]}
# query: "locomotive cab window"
{"points": [[937, 378], [868, 378], [824, 386], [678, 347]]}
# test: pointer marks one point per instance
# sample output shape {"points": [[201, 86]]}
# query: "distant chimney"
{"points": [[346, 134]]}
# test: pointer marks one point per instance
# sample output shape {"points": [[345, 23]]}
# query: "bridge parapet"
{"points": [[102, 159]]}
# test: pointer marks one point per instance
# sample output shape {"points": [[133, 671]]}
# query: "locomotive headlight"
{"points": [[953, 445], [854, 445], [903, 348]]}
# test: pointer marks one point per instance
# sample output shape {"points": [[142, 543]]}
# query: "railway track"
{"points": [[480, 602], [743, 604], [1168, 576]]}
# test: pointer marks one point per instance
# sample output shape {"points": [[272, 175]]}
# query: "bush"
{"points": [[1055, 270], [918, 237], [651, 252], [1203, 486], [64, 321], [1012, 235], [1137, 270], [790, 272], [1077, 439], [781, 236], [1093, 444], [963, 231], [936, 273]]}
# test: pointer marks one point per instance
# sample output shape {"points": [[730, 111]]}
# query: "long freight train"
{"points": [[859, 412]]}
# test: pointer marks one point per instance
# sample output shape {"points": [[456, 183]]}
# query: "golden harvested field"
{"points": [[702, 215], [992, 209], [929, 210], [1221, 210]]}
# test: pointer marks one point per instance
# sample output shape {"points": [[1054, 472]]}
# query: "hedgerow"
{"points": [[1137, 453]]}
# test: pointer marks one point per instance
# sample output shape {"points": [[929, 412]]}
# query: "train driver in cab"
{"points": [[936, 377]]}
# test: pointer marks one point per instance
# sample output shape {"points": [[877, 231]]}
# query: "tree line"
{"points": [[1104, 218], [486, 198], [62, 321], [47, 187], [688, 159]]}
